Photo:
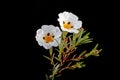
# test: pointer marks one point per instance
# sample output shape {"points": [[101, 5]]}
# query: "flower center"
{"points": [[48, 38], [67, 25]]}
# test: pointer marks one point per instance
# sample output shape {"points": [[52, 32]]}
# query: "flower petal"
{"points": [[56, 42], [39, 36], [67, 16], [78, 24], [48, 28], [47, 46], [40, 43], [56, 32], [41, 33], [72, 18], [73, 31]]}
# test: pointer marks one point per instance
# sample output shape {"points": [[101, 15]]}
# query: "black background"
{"points": [[98, 17]]}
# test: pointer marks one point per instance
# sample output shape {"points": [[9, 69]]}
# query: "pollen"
{"points": [[67, 25], [48, 38]]}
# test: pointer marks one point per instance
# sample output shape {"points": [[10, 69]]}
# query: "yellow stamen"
{"points": [[67, 25], [48, 39]]}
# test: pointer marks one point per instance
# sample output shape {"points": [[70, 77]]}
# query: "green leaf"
{"points": [[63, 43], [70, 41], [78, 65], [75, 36], [57, 50], [87, 55], [69, 37], [80, 34], [64, 34], [72, 45], [46, 77], [94, 51], [57, 59], [83, 39], [61, 46], [100, 50], [82, 53], [47, 57], [95, 46], [56, 69]]}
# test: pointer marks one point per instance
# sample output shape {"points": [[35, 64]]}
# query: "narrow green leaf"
{"points": [[61, 47], [64, 34], [96, 46], [84, 38], [82, 53], [57, 50], [80, 34], [100, 50], [93, 51], [85, 41], [70, 41], [72, 45], [57, 59], [46, 76], [78, 65], [65, 44], [87, 55], [56, 69], [75, 36], [47, 57]]}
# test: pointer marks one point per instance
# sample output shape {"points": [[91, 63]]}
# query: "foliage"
{"points": [[66, 56]]}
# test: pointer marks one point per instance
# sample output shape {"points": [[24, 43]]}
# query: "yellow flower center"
{"points": [[67, 25], [48, 38]]}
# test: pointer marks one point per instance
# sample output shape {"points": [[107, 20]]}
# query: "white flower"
{"points": [[69, 22], [48, 36]]}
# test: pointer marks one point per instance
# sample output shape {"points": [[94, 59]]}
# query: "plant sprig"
{"points": [[67, 58]]}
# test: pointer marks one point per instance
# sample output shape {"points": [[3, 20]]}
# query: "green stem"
{"points": [[53, 78], [51, 51]]}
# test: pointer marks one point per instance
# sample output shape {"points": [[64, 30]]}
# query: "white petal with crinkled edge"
{"points": [[57, 33], [47, 46], [39, 36], [48, 28], [78, 24], [56, 42], [51, 29], [66, 16], [73, 30]]}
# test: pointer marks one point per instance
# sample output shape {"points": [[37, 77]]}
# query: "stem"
{"points": [[53, 78], [51, 55], [68, 67], [50, 51], [67, 55]]}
